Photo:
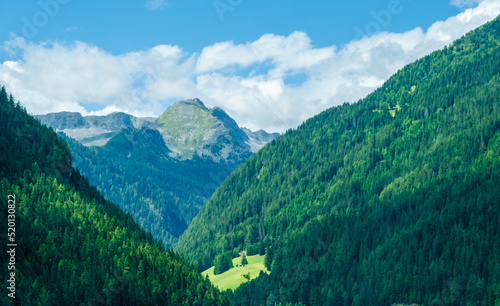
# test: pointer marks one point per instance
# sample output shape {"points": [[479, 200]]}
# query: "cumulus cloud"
{"points": [[284, 53], [250, 81]]}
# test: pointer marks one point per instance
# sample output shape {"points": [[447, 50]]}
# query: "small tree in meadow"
{"points": [[244, 260]]}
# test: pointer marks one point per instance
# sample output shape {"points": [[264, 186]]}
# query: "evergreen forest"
{"points": [[73, 246], [161, 193], [394, 199]]}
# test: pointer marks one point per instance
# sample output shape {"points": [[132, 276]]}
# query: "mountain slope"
{"points": [[161, 193], [72, 246], [394, 199], [163, 185]]}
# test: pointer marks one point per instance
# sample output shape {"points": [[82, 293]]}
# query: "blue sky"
{"points": [[123, 26], [269, 64]]}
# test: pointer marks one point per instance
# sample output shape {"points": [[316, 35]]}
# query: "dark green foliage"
{"points": [[244, 260], [161, 193], [268, 260], [73, 247], [394, 199], [222, 263], [19, 136]]}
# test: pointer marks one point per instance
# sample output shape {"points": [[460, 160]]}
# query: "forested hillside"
{"points": [[393, 199], [135, 171], [73, 247]]}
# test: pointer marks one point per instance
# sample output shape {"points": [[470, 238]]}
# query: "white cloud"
{"points": [[248, 80], [285, 53], [156, 4], [464, 3]]}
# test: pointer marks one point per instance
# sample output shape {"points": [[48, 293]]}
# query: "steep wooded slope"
{"points": [[394, 199], [73, 247]]}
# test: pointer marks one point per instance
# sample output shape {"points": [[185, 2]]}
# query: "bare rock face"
{"points": [[93, 130]]}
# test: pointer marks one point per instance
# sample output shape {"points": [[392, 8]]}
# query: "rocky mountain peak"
{"points": [[194, 102]]}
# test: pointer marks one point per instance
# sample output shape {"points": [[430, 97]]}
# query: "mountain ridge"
{"points": [[209, 133], [93, 130]]}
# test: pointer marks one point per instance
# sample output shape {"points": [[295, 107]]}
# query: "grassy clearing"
{"points": [[233, 278]]}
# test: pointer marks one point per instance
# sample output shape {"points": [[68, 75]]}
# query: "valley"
{"points": [[148, 169], [392, 199]]}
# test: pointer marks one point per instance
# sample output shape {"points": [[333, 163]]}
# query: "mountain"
{"points": [[257, 140], [160, 171], [66, 245], [393, 200], [92, 130], [188, 128]]}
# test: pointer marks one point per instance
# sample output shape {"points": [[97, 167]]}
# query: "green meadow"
{"points": [[233, 278]]}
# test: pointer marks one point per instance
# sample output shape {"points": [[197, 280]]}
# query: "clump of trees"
{"points": [[244, 260], [223, 263]]}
